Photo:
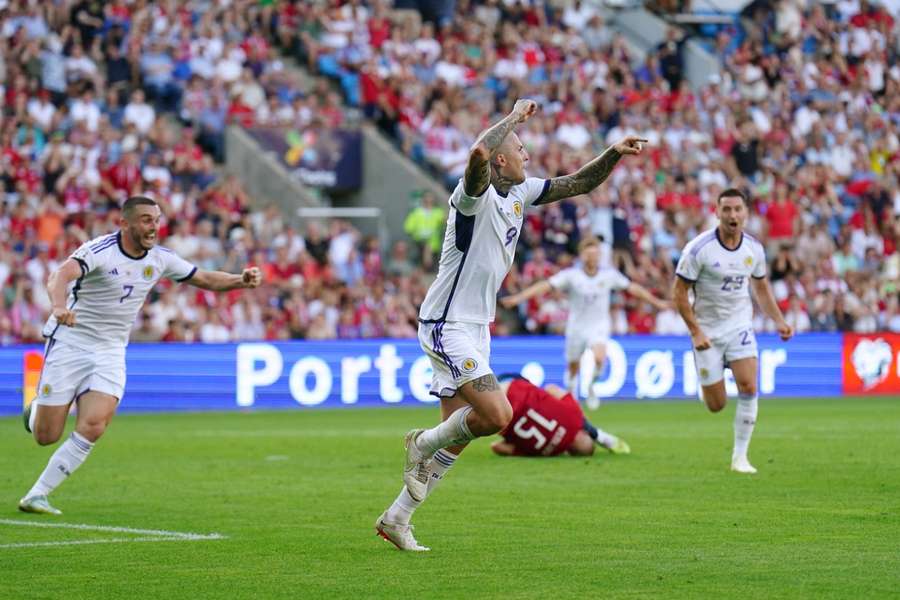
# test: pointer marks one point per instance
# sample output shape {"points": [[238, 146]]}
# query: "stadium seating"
{"points": [[804, 117], [136, 100]]}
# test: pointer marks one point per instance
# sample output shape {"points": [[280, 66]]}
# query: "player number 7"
{"points": [[128, 289], [527, 433]]}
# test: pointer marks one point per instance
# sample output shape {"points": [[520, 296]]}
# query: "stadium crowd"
{"points": [[105, 100], [804, 117], [102, 100]]}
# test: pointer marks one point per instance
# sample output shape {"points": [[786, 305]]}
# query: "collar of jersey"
{"points": [[721, 243], [122, 248]]}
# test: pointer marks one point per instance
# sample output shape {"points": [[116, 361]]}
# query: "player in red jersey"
{"points": [[548, 421]]}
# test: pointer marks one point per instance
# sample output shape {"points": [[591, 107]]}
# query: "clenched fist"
{"points": [[251, 277], [64, 316], [524, 109]]}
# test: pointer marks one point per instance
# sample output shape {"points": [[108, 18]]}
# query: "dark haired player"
{"points": [[96, 295], [720, 266]]}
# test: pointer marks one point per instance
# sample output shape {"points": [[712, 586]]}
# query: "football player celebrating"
{"points": [[720, 267]]}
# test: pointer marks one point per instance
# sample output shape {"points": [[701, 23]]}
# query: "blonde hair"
{"points": [[588, 242]]}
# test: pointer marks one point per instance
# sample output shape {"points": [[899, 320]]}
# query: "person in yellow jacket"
{"points": [[425, 225]]}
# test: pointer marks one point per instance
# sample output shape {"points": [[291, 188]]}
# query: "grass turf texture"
{"points": [[297, 494]]}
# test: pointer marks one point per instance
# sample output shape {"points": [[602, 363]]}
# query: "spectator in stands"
{"points": [[425, 226]]}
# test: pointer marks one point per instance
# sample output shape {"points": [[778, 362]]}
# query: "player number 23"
{"points": [[527, 432], [732, 284]]}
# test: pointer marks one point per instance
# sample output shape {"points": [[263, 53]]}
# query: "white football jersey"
{"points": [[721, 280], [111, 290], [588, 296], [479, 247]]}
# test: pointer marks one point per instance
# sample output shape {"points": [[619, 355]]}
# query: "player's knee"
{"points": [[92, 429], [45, 437], [715, 401], [715, 404], [746, 388]]}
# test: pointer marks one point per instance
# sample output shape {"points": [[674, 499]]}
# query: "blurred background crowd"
{"points": [[106, 99]]}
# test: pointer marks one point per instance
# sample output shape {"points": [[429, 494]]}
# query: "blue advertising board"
{"points": [[196, 377]]}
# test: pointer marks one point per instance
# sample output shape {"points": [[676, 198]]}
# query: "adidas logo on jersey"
{"points": [[114, 272]]}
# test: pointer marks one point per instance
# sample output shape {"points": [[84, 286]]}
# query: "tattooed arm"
{"points": [[478, 169], [592, 174]]}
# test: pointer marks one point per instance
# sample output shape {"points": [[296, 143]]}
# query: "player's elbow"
{"points": [[479, 153]]}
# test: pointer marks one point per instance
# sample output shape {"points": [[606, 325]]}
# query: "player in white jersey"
{"points": [[486, 212], [588, 287], [96, 295], [722, 266]]}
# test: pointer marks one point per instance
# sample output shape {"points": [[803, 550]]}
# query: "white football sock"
{"points": [[607, 440], [63, 463], [404, 506], [571, 383], [744, 420], [452, 432], [591, 373]]}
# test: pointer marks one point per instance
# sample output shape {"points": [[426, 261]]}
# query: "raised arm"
{"points": [[642, 293], [58, 290], [535, 289], [219, 281], [478, 169], [762, 291], [592, 174], [683, 304]]}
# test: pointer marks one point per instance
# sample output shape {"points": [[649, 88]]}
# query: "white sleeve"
{"points": [[688, 265], [535, 189], [561, 281], [465, 204], [619, 281], [759, 269], [86, 258], [176, 268]]}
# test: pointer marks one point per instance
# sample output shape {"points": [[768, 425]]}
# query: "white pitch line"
{"points": [[109, 529], [100, 541]]}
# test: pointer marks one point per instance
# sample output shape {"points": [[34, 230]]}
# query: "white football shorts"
{"points": [[459, 353], [733, 346], [579, 341], [69, 372]]}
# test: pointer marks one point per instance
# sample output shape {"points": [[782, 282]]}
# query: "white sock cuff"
{"points": [[444, 458], [81, 443], [459, 419], [746, 397]]}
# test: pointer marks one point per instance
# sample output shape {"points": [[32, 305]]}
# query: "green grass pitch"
{"points": [[296, 495]]}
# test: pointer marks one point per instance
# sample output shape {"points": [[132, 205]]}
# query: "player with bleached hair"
{"points": [[95, 296], [487, 210], [721, 267], [588, 287]]}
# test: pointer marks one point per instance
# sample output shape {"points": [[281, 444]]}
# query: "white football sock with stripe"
{"points": [[452, 432], [67, 458], [744, 421], [404, 506]]}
